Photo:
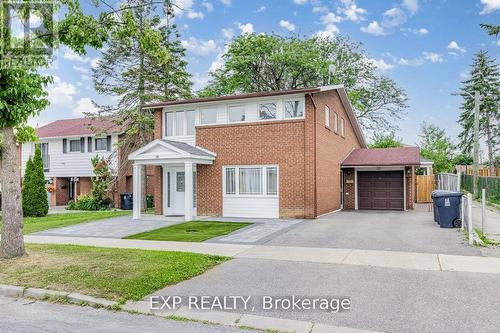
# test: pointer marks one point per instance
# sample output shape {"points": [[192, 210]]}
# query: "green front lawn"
{"points": [[114, 274], [194, 231], [35, 224]]}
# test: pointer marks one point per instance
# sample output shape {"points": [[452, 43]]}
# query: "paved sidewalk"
{"points": [[392, 259], [116, 227], [492, 225]]}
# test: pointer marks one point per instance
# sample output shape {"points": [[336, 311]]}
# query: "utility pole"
{"points": [[477, 102]]}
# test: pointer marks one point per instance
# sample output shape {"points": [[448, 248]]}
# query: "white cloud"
{"points": [[411, 5], [498, 42], [319, 9], [381, 64], [71, 55], [411, 62], [195, 15], [228, 33], [84, 105], [456, 50], [287, 25], [226, 2], [199, 81], [246, 28], [208, 6], [464, 75], [199, 47], [490, 6], [351, 11], [80, 69], [419, 32], [374, 28], [393, 17], [433, 57], [329, 31], [260, 9], [331, 18], [300, 2], [61, 93]]}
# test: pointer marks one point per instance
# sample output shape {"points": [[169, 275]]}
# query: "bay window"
{"points": [[251, 180]]}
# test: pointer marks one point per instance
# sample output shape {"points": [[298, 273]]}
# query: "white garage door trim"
{"points": [[263, 205]]}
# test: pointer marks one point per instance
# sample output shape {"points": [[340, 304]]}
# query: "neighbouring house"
{"points": [[288, 154], [67, 148]]}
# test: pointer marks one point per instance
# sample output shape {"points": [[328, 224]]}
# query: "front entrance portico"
{"points": [[178, 161]]}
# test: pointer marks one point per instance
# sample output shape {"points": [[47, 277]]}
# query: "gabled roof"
{"points": [[192, 150], [165, 151], [383, 157], [75, 127]]}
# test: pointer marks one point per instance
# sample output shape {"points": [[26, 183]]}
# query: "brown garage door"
{"points": [[380, 190]]}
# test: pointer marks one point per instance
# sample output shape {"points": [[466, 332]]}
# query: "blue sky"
{"points": [[426, 46]]}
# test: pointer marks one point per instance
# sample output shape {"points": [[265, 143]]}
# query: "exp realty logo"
{"points": [[27, 32]]}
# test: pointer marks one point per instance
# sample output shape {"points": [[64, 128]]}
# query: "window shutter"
{"points": [[89, 144], [65, 145], [109, 142], [82, 144]]}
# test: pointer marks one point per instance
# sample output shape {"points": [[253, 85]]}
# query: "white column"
{"points": [[137, 178], [188, 191]]}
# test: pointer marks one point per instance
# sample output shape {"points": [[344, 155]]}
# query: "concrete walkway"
{"points": [[116, 227], [388, 259]]}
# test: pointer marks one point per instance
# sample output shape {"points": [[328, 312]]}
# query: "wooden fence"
{"points": [[425, 185], [483, 172]]}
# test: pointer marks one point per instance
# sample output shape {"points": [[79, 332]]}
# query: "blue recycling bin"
{"points": [[448, 208], [434, 207], [126, 201]]}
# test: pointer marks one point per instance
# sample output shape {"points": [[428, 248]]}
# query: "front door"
{"points": [[175, 186]]}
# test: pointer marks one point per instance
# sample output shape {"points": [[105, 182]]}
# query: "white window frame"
{"points": [[200, 110], [77, 151], [336, 122], [228, 109], [327, 116], [94, 143], [302, 101], [268, 102], [342, 127], [263, 168]]}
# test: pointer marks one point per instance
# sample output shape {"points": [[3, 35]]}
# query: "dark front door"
{"points": [[381, 190]]}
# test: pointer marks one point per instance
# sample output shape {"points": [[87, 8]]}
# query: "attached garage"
{"points": [[381, 190], [380, 178]]}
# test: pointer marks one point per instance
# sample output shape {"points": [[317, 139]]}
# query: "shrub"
{"points": [[86, 202], [35, 201]]}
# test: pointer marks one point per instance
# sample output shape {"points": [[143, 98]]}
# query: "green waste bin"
{"points": [[150, 202]]}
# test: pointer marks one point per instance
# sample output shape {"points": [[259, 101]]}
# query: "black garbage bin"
{"points": [[434, 207], [448, 209], [127, 201]]}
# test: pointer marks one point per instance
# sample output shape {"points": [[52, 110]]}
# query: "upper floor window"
{"points": [[208, 116], [294, 109], [180, 123], [327, 116], [169, 124], [236, 113], [101, 144], [75, 146], [190, 122], [335, 122], [342, 127], [267, 111]]}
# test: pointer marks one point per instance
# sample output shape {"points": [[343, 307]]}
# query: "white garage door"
{"points": [[251, 191]]}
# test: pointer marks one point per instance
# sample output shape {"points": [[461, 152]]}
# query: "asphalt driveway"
{"points": [[411, 231]]}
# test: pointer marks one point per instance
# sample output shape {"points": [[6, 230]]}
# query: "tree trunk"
{"points": [[12, 244]]}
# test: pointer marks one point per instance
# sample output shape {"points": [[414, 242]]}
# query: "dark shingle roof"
{"points": [[80, 126], [383, 157], [188, 148]]}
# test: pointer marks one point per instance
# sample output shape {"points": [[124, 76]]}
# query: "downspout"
{"points": [[314, 156]]}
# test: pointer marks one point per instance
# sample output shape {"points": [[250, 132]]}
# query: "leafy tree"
{"points": [[385, 141], [436, 146], [101, 182], [463, 159], [493, 30], [485, 78], [35, 202], [255, 63], [137, 71], [23, 87]]}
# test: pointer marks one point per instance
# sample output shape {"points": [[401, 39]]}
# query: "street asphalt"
{"points": [[26, 316], [383, 299], [411, 231]]}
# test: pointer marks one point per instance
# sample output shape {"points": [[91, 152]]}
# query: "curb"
{"points": [[213, 317], [37, 293]]}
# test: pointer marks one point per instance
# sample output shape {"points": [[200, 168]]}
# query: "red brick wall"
{"points": [[410, 187], [61, 191], [280, 142], [331, 149]]}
